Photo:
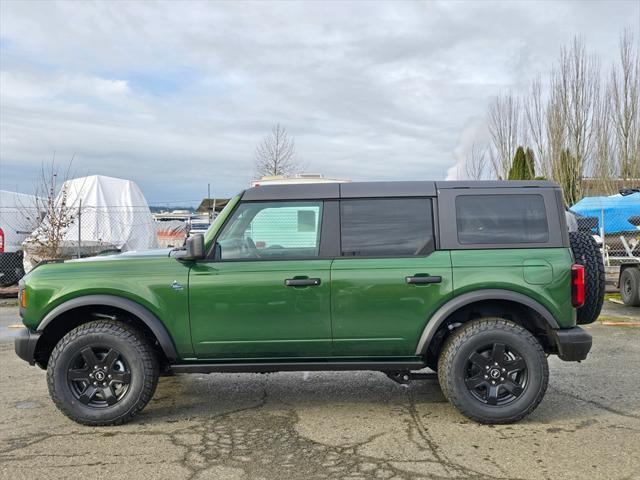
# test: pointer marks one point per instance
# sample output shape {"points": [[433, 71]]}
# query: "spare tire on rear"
{"points": [[586, 253]]}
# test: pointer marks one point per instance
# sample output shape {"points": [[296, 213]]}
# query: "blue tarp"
{"points": [[615, 209]]}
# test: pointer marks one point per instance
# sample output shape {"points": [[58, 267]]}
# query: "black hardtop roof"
{"points": [[311, 191]]}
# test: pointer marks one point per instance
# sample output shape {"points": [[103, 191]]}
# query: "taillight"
{"points": [[577, 285], [1, 241]]}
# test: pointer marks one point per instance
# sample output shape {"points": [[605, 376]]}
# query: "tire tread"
{"points": [[586, 253], [123, 332], [464, 334]]}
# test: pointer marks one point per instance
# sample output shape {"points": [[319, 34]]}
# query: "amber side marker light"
{"points": [[23, 298]]}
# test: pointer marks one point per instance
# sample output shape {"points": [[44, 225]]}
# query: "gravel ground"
{"points": [[332, 425]]}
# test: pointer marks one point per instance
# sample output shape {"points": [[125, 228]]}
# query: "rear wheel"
{"points": [[493, 371], [102, 373], [587, 253], [630, 286]]}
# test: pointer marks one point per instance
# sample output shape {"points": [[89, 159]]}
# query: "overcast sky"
{"points": [[176, 95]]}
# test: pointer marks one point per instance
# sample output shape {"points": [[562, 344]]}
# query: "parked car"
{"points": [[475, 280], [198, 227]]}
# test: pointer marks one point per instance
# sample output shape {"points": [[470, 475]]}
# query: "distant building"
{"points": [[208, 204], [594, 187], [297, 178]]}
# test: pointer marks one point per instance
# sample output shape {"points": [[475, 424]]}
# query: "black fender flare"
{"points": [[149, 319], [471, 297]]}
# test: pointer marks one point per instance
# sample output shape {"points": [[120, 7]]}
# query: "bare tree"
{"points": [[604, 170], [476, 162], [56, 214], [555, 130], [577, 87], [535, 118], [624, 95], [276, 154], [504, 123], [575, 127]]}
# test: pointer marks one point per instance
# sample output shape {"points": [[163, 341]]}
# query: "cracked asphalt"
{"points": [[332, 425]]}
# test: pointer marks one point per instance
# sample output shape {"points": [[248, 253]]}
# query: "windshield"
{"points": [[219, 220]]}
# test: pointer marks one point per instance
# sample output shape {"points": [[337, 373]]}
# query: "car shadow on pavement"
{"points": [[187, 395]]}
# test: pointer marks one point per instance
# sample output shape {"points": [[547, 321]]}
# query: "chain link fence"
{"points": [[620, 238], [617, 231], [29, 236], [16, 223]]}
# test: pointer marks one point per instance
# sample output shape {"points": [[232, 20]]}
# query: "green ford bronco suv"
{"points": [[475, 280]]}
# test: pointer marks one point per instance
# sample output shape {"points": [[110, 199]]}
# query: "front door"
{"points": [[389, 279], [266, 293]]}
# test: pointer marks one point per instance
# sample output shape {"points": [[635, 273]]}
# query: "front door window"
{"points": [[272, 231]]}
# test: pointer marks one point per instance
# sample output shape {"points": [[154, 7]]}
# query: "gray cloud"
{"points": [[175, 95]]}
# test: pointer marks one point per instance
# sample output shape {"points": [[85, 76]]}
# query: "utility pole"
{"points": [[80, 229], [209, 209]]}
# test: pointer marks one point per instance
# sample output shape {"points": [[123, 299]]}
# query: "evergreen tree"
{"points": [[570, 183], [519, 166], [523, 166], [530, 163]]}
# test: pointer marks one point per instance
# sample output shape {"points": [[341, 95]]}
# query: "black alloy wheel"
{"points": [[496, 374], [99, 376], [493, 370]]}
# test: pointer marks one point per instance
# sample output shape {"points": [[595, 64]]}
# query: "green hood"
{"points": [[155, 253]]}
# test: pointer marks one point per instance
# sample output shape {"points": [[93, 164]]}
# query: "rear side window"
{"points": [[386, 227], [501, 219]]}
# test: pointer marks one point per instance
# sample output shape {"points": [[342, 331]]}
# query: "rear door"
{"points": [[389, 278], [512, 239]]}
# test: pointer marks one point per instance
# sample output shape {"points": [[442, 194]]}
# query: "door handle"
{"points": [[302, 282], [422, 280]]}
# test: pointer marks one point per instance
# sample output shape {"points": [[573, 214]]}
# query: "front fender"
{"points": [[159, 285], [149, 319]]}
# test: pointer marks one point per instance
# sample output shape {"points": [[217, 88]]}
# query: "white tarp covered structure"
{"points": [[110, 214], [19, 216]]}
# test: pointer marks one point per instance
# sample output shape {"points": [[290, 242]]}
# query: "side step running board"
{"points": [[406, 377], [293, 367]]}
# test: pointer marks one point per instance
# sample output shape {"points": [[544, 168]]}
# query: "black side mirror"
{"points": [[194, 247]]}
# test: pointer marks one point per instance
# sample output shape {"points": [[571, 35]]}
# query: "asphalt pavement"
{"points": [[319, 425]]}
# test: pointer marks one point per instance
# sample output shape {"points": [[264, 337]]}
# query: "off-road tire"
{"points": [[586, 253], [473, 336], [630, 286], [134, 349]]}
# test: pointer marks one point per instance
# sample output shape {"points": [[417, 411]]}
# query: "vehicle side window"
{"points": [[501, 219], [272, 230], [386, 227]]}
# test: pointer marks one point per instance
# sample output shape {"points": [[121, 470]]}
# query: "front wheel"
{"points": [[102, 373], [493, 371]]}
